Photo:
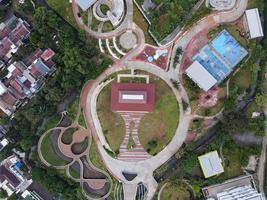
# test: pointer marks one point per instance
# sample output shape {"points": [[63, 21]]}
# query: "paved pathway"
{"points": [[137, 152], [126, 24]]}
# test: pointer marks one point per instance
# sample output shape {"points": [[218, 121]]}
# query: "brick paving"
{"points": [[150, 51], [132, 122]]}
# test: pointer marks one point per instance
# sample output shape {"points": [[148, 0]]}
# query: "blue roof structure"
{"points": [[228, 48], [221, 55], [18, 165]]}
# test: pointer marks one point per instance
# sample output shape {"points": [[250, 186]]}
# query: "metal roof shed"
{"points": [[201, 76], [211, 164], [254, 23]]}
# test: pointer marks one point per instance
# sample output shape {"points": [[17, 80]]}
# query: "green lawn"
{"points": [[73, 108], [95, 157], [168, 15], [82, 120], [112, 123], [49, 154], [67, 135], [74, 174], [63, 7], [242, 79], [143, 24], [255, 4], [174, 191], [157, 128]]}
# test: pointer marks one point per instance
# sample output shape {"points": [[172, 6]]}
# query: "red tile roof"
{"points": [[19, 33], [9, 99], [5, 174], [27, 83], [31, 58], [5, 47], [34, 71], [50, 63], [147, 106], [15, 84], [47, 54], [4, 32]]}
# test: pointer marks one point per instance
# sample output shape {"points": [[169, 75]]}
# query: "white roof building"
{"points": [[254, 23], [3, 88], [211, 164], [85, 4], [201, 76], [240, 188]]}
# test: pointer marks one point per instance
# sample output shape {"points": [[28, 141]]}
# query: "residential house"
{"points": [[24, 79], [12, 179], [12, 33]]}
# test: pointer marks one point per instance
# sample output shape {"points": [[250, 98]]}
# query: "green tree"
{"points": [[3, 194], [261, 100]]}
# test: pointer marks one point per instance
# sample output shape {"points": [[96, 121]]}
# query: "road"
{"points": [[262, 162]]}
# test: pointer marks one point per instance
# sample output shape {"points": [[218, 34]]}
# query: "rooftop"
{"points": [[216, 59], [210, 164], [242, 187], [254, 23], [134, 97], [201, 76]]}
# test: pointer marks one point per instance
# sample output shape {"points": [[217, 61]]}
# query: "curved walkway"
{"points": [[127, 22], [78, 136]]}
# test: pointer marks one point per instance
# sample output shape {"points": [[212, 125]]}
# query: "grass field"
{"points": [[51, 123], [156, 129], [160, 125], [143, 24], [255, 4], [73, 108], [95, 157], [175, 192], [74, 174], [49, 154], [242, 79], [67, 135], [63, 7], [112, 123], [168, 15]]}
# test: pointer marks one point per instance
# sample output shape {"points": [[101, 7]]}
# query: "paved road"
{"points": [[262, 162]]}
